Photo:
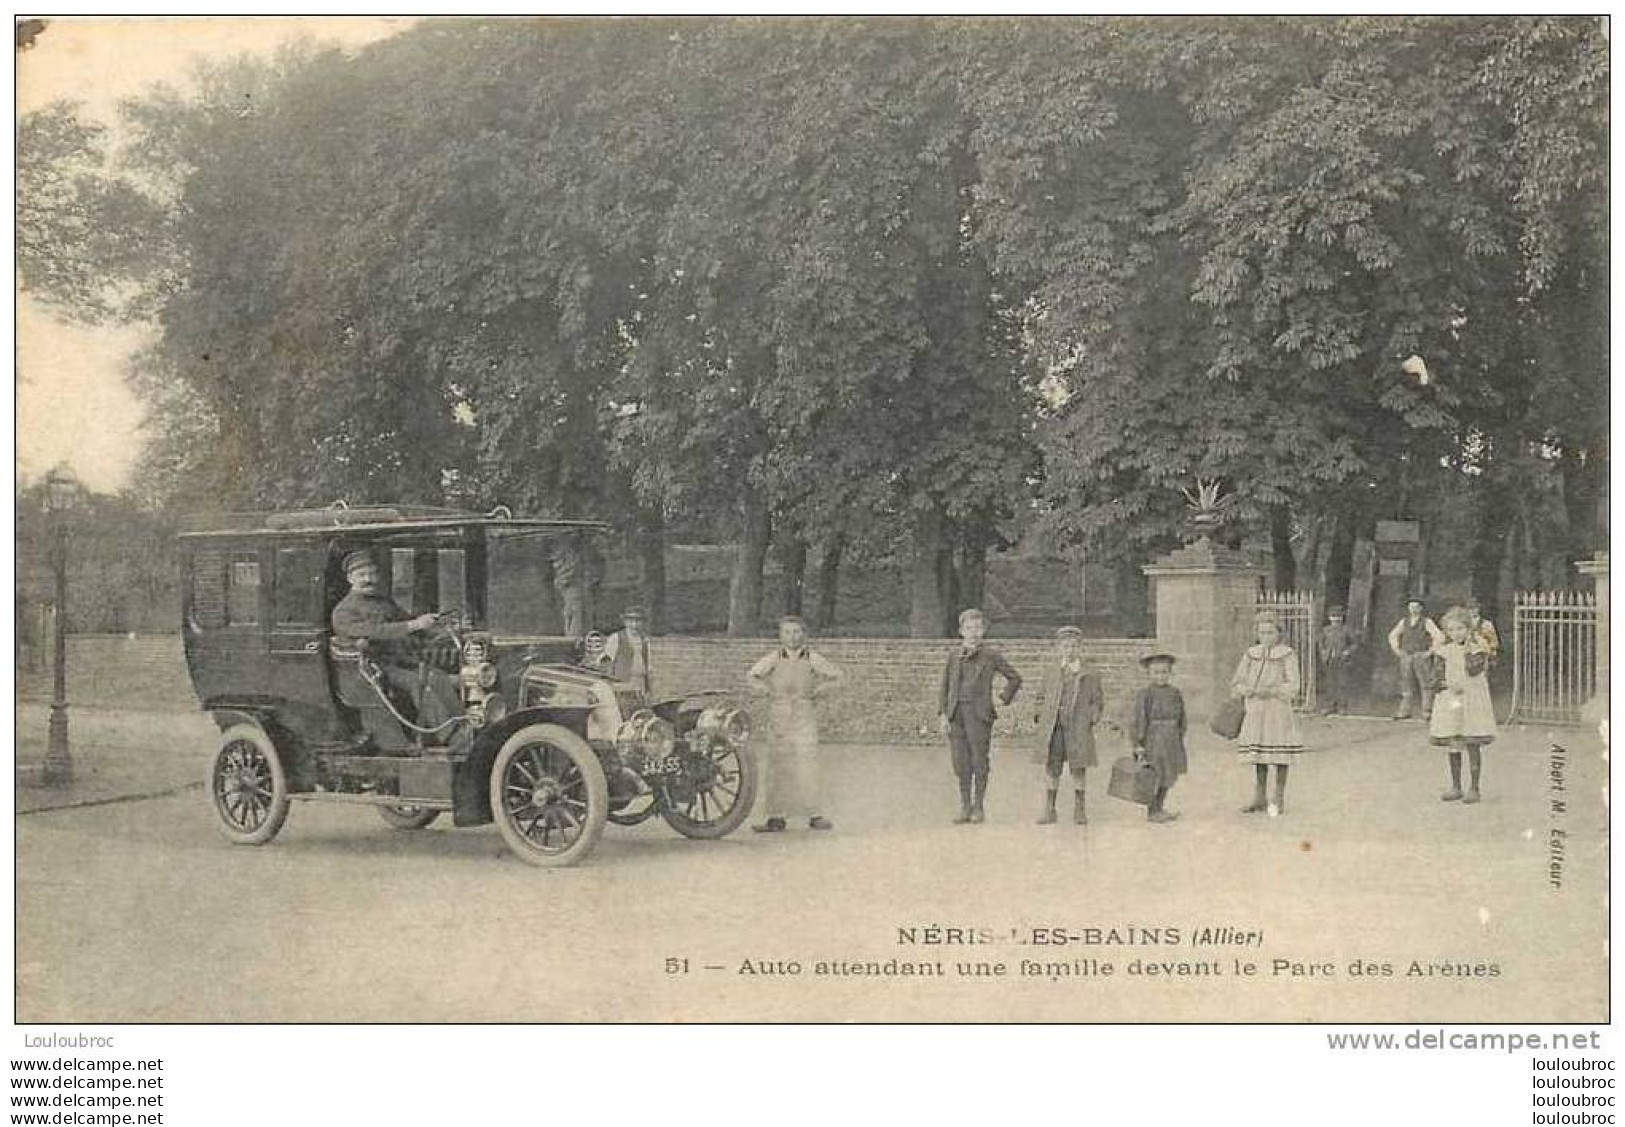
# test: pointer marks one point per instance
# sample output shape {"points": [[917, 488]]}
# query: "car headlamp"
{"points": [[724, 723]]}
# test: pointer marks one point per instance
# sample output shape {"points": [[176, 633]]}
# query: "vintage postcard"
{"points": [[839, 519]]}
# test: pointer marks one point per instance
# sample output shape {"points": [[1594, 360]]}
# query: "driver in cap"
{"points": [[368, 613]]}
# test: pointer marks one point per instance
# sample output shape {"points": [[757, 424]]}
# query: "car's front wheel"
{"points": [[549, 797], [248, 786], [716, 790]]}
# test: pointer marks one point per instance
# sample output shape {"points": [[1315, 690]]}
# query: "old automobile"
{"points": [[541, 741]]}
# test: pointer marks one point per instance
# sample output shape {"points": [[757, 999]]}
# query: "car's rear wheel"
{"points": [[248, 786], [716, 791], [549, 797], [407, 817]]}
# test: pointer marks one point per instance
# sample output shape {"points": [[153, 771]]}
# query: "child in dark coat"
{"points": [[1157, 727], [1069, 706]]}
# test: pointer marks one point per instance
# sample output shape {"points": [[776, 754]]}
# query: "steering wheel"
{"points": [[442, 645]]}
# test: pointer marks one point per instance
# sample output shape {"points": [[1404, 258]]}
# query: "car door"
{"points": [[298, 633]]}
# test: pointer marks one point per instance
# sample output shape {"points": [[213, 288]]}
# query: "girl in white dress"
{"points": [[1267, 681], [1463, 715]]}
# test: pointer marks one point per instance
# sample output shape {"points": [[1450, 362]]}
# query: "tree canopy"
{"points": [[902, 283]]}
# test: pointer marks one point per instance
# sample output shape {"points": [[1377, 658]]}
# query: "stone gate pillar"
{"points": [[1596, 569], [1205, 595]]}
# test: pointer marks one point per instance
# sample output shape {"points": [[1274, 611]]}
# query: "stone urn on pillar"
{"points": [[1205, 600]]}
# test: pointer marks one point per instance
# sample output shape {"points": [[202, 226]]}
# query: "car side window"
{"points": [[453, 581], [243, 590], [425, 580], [209, 589], [298, 594]]}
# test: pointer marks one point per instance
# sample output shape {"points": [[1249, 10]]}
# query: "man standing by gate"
{"points": [[1411, 639]]}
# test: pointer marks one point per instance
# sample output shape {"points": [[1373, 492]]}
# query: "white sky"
{"points": [[72, 403]]}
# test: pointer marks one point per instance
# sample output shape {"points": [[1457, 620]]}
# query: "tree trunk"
{"points": [[792, 553], [1286, 565], [1132, 606], [1311, 553], [745, 586], [948, 590], [925, 616], [1340, 561], [972, 572], [652, 568], [829, 578], [1582, 477], [1496, 512]]}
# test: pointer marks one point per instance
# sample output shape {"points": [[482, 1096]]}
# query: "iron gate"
{"points": [[1554, 656], [1296, 611]]}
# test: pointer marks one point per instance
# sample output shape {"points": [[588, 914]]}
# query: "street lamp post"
{"points": [[61, 491]]}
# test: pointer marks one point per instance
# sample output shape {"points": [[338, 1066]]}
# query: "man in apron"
{"points": [[1411, 641], [793, 676]]}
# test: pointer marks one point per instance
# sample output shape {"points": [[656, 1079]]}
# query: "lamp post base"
{"points": [[58, 769]]}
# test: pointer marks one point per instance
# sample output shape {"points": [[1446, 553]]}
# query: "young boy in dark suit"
{"points": [[965, 709]]}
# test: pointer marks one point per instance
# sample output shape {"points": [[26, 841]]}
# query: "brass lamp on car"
{"points": [[722, 722], [647, 734]]}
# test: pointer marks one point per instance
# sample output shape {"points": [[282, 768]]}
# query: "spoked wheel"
{"points": [[716, 791], [548, 795], [407, 816], [247, 786]]}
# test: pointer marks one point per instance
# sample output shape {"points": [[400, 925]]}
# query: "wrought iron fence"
{"points": [[1298, 614], [1554, 656]]}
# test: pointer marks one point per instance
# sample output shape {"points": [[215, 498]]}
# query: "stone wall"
{"points": [[889, 695], [891, 685]]}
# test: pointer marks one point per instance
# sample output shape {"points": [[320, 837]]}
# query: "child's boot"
{"points": [[1475, 763], [1047, 818], [1260, 781], [978, 791], [1454, 793], [1078, 817]]}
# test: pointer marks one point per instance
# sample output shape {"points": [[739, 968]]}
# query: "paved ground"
{"points": [[138, 911]]}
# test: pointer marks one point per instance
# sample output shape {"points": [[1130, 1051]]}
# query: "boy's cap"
{"points": [[358, 559], [632, 612], [1335, 612], [969, 614], [1149, 660], [1069, 632]]}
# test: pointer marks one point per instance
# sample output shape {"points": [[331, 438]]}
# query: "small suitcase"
{"points": [[1133, 780], [1228, 718]]}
